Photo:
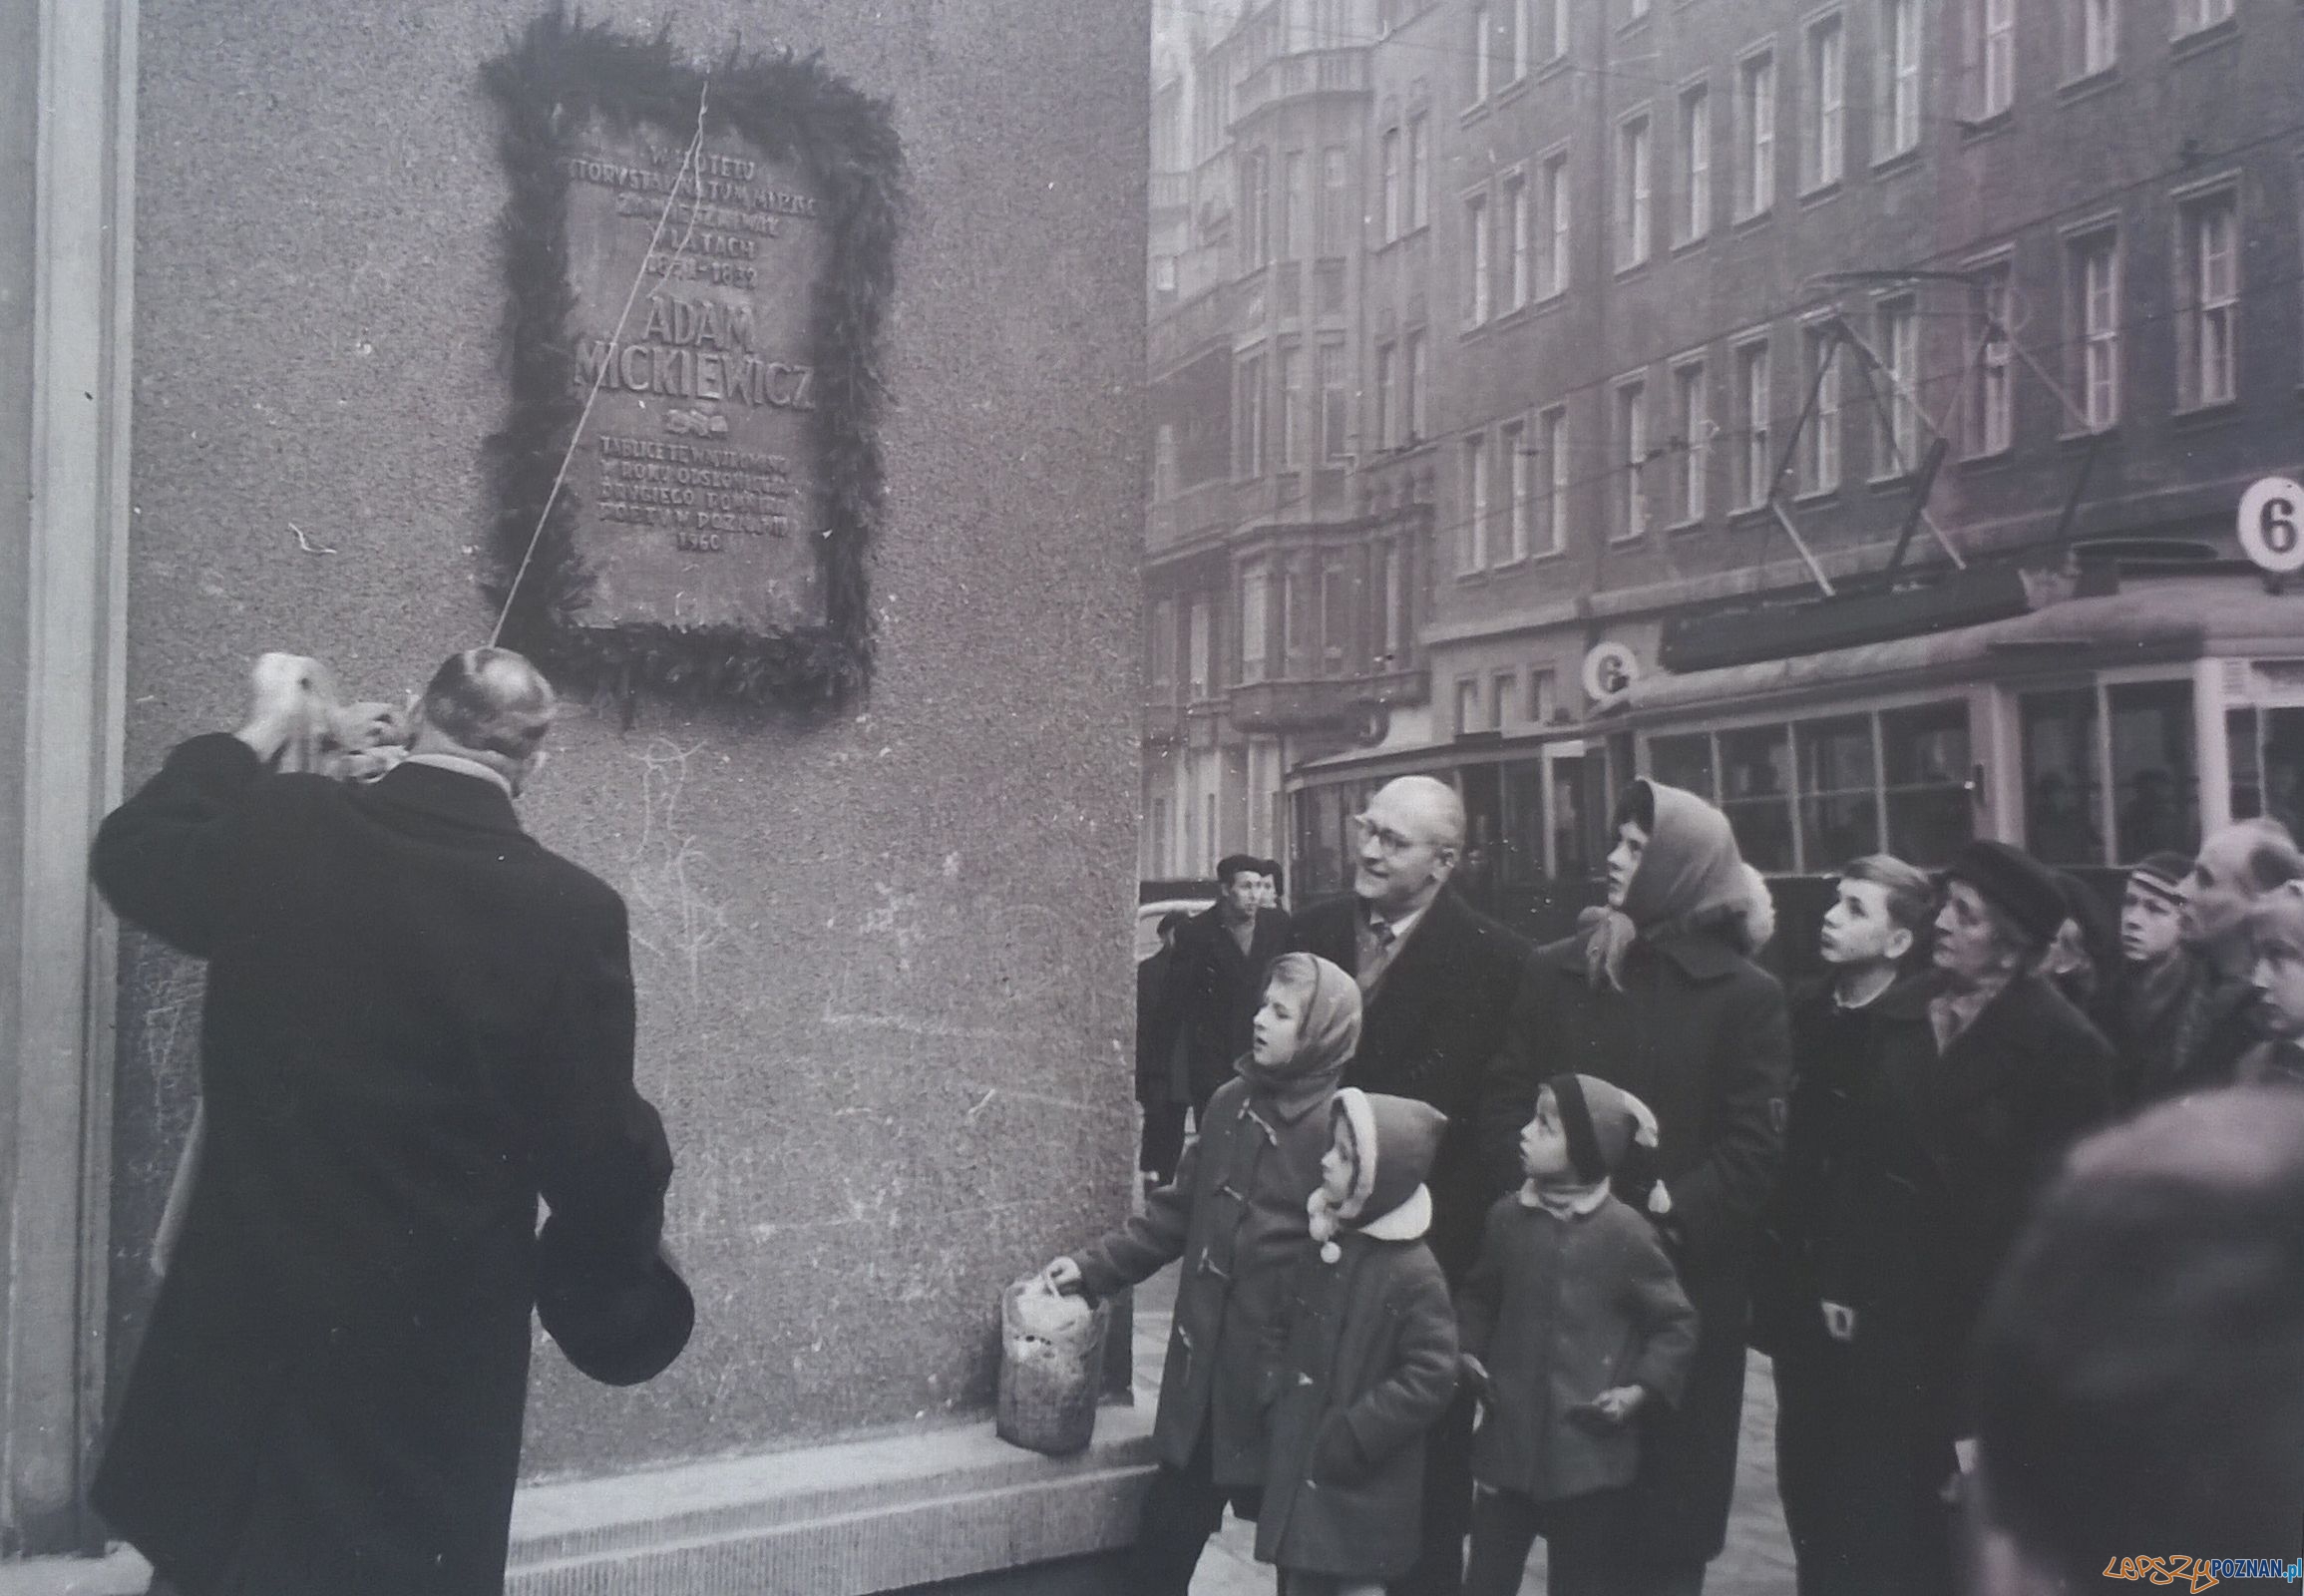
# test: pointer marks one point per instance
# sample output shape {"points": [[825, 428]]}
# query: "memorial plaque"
{"points": [[696, 490], [700, 261]]}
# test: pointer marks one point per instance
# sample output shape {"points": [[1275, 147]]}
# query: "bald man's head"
{"points": [[488, 704], [1410, 836]]}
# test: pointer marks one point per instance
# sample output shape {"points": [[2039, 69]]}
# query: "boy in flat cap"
{"points": [[2157, 976], [1986, 1074]]}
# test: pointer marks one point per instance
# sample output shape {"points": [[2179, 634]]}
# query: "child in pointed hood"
{"points": [[1236, 1214], [1573, 1321], [1371, 1359]]}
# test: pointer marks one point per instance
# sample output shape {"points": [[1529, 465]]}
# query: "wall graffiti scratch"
{"points": [[675, 918]]}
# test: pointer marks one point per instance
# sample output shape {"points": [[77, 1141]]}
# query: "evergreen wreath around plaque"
{"points": [[705, 535]]}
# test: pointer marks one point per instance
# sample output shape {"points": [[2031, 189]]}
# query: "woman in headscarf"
{"points": [[1656, 994]]}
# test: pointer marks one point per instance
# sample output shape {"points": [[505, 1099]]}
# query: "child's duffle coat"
{"points": [[1235, 1216], [1369, 1366], [1594, 1303]]}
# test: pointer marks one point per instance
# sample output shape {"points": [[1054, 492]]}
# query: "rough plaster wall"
{"points": [[881, 963]]}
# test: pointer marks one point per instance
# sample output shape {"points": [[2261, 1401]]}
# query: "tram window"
{"points": [[2155, 793], [1924, 755], [2267, 754], [1522, 852], [1839, 809], [2063, 800], [1757, 793], [1574, 796], [1684, 762]]}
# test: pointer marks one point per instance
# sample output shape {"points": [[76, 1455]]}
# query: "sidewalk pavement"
{"points": [[1757, 1561]]}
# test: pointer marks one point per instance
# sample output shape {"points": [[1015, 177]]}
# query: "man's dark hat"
{"points": [[619, 1322], [2015, 884]]}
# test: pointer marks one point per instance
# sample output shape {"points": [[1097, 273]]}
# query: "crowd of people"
{"points": [[1475, 1235]]}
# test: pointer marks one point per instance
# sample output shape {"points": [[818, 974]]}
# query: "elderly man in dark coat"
{"points": [[1983, 1077], [1659, 995], [1215, 975], [417, 1020], [1439, 978]]}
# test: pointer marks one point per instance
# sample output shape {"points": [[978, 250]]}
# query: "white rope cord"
{"points": [[616, 335]]}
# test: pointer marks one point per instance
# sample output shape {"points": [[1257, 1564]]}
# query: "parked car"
{"points": [[1149, 916]]}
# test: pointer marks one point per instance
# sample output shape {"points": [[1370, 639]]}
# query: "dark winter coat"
{"points": [[1214, 990], [1429, 1031], [1369, 1367], [2213, 1028], [1945, 1155], [417, 1020], [1560, 1309], [1235, 1216], [1698, 1033], [1156, 1033]]}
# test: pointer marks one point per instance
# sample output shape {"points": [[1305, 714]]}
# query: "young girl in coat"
{"points": [[1574, 1323], [1371, 1359], [1237, 1215]]}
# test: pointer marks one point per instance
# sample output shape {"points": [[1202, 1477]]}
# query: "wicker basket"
{"points": [[1051, 1356]]}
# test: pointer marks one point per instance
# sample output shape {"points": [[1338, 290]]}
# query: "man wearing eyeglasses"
{"points": [[1437, 979]]}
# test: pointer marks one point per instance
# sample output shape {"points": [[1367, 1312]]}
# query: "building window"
{"points": [[1335, 402], [1691, 425], [1483, 54], [1543, 696], [1479, 252], [1196, 650], [1694, 164], [1511, 40], [1387, 396], [1420, 384], [1552, 460], [1390, 202], [1520, 476], [1552, 202], [1254, 622], [1395, 621], [1995, 84], [1757, 110], [1516, 219], [1994, 427], [1163, 662], [1900, 361], [1248, 410], [2193, 15], [1924, 758], [2093, 286], [1839, 783], [1292, 415], [1900, 74], [1548, 21], [1335, 618], [1821, 445], [1631, 450], [1255, 209], [1632, 192], [2095, 29], [1295, 203], [1755, 470], [1827, 102], [1335, 211], [1296, 621], [1420, 171], [1684, 762], [2062, 795], [1472, 544], [1503, 699], [2208, 299], [1468, 704]]}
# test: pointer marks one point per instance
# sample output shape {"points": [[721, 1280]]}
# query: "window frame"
{"points": [[1692, 424], [1695, 158], [1480, 259], [1552, 441], [1903, 84], [1632, 193], [1896, 437], [2094, 347], [1823, 463], [1555, 206], [1630, 517], [1824, 115], [1754, 429], [1992, 422], [1757, 108], [2197, 308]]}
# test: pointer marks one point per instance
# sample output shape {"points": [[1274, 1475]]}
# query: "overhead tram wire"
{"points": [[616, 335]]}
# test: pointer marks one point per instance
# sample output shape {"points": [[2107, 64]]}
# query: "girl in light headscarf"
{"points": [[1658, 995]]}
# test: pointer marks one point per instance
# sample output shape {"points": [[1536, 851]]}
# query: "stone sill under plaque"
{"points": [[854, 1518]]}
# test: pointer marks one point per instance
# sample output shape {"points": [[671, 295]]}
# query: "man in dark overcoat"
{"points": [[1160, 1087], [418, 1019], [1215, 975], [1983, 1076], [1438, 979]]}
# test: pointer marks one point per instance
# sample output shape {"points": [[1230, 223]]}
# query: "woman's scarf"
{"points": [[1325, 1044], [1689, 870]]}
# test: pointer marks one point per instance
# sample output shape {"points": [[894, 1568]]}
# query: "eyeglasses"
{"points": [[1387, 839]]}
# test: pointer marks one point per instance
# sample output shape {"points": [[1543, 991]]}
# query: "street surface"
{"points": [[1757, 1563]]}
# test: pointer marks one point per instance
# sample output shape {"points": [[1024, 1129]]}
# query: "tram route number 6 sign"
{"points": [[2272, 524]]}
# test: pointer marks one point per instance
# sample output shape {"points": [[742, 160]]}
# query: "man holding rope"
{"points": [[418, 1019]]}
